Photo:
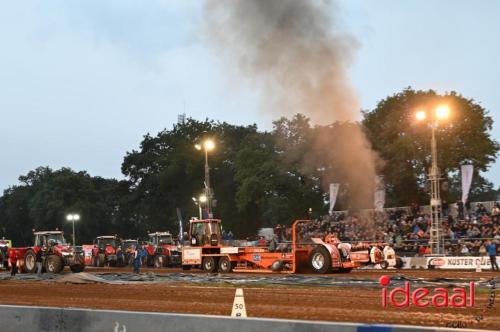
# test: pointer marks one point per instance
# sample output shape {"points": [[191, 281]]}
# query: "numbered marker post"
{"points": [[239, 309]]}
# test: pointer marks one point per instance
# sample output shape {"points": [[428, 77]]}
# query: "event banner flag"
{"points": [[467, 172], [334, 191], [379, 196]]}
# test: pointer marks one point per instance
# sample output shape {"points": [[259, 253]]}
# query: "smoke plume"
{"points": [[297, 56]]}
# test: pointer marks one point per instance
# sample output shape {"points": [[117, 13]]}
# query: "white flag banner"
{"points": [[334, 191], [379, 196], [467, 172]]}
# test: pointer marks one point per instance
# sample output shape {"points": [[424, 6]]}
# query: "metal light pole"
{"points": [[73, 218], [436, 238], [207, 146]]}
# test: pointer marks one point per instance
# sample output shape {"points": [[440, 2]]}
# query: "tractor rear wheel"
{"points": [[30, 262], [100, 260], [54, 264], [320, 260], [209, 264], [225, 265], [160, 261]]}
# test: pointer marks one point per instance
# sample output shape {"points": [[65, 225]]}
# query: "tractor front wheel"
{"points": [[54, 264], [320, 260], [100, 260], [209, 264]]}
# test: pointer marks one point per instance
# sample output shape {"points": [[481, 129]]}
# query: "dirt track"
{"points": [[354, 304]]}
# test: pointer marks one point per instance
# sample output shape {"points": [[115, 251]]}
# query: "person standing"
{"points": [[39, 260], [491, 247], [137, 260], [13, 262]]}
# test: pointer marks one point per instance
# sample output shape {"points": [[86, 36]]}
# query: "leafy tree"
{"points": [[404, 144], [167, 172], [45, 197]]}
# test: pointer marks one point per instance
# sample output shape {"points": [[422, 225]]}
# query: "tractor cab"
{"points": [[103, 241], [205, 232], [53, 238], [161, 238]]}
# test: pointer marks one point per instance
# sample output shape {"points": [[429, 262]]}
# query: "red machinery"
{"points": [[106, 251], [206, 252], [57, 254], [162, 250]]}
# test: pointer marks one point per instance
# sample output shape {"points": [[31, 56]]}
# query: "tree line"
{"points": [[259, 178]]}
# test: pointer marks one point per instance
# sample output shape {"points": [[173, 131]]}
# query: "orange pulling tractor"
{"points": [[300, 255]]}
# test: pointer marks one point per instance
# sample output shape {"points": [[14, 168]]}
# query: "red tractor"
{"points": [[56, 254], [106, 251], [162, 250]]}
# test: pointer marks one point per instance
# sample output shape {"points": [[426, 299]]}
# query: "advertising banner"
{"points": [[467, 172], [334, 191]]}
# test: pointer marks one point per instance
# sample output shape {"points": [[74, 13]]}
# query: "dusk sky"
{"points": [[82, 81]]}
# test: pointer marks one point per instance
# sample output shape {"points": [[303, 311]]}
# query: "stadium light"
{"points": [[73, 217]]}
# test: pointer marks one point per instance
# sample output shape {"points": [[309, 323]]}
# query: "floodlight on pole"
{"points": [[436, 239], [207, 145], [73, 217], [442, 112], [420, 115]]}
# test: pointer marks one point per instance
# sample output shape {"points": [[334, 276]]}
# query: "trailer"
{"points": [[299, 255]]}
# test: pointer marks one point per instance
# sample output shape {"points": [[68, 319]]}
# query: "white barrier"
{"points": [[37, 319]]}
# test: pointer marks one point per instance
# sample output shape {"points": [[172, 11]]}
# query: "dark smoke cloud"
{"points": [[296, 54]]}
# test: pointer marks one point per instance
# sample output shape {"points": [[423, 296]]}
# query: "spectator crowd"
{"points": [[466, 231]]}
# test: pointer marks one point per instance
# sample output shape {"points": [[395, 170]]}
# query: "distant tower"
{"points": [[181, 119]]}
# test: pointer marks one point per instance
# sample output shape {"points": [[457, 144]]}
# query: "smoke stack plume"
{"points": [[297, 56]]}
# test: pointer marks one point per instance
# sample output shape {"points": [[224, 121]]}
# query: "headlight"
{"points": [[64, 253]]}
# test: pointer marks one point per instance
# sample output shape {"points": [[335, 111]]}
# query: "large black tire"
{"points": [[399, 263], [160, 261], [29, 262], [209, 264], [101, 259], [77, 268], [54, 264], [320, 260], [225, 265]]}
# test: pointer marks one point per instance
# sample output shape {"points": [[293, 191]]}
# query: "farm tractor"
{"points": [[162, 250], [106, 251], [206, 252], [56, 254]]}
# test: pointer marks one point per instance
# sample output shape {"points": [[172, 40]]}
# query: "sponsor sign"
{"points": [[459, 262], [87, 253], [191, 256]]}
